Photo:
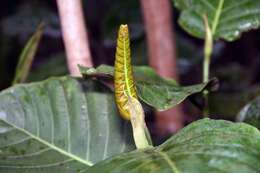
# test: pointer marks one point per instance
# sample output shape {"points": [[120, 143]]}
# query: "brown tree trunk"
{"points": [[74, 34], [162, 54]]}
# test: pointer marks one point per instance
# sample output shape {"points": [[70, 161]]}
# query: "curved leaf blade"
{"points": [[158, 92], [251, 113], [58, 125], [204, 146], [228, 18], [27, 56]]}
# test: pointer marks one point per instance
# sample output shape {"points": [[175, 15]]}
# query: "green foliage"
{"points": [[160, 93], [68, 124], [204, 146], [27, 56], [251, 113], [227, 18], [58, 126]]}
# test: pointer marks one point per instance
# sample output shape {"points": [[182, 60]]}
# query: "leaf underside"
{"points": [[58, 126], [227, 18], [204, 146], [158, 92]]}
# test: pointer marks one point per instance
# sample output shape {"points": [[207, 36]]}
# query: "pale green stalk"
{"points": [[206, 63], [140, 132]]}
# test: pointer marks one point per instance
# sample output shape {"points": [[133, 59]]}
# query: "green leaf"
{"points": [[59, 125], [227, 18], [251, 113], [205, 146], [27, 55], [156, 91]]}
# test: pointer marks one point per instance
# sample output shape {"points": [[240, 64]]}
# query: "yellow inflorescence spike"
{"points": [[124, 83]]}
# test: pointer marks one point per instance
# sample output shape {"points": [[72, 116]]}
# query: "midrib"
{"points": [[125, 70], [217, 15]]}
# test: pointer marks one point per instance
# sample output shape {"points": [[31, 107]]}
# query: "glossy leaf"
{"points": [[251, 113], [205, 146], [158, 92], [27, 56], [59, 125], [227, 18], [123, 81]]}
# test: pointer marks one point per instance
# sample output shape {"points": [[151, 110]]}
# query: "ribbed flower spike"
{"points": [[125, 92], [124, 83]]}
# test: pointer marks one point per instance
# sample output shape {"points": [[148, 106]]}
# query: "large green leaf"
{"points": [[205, 146], [251, 113], [27, 56], [161, 93], [59, 125], [227, 18]]}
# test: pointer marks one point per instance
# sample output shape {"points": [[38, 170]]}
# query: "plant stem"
{"points": [[206, 63], [206, 67], [208, 51]]}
